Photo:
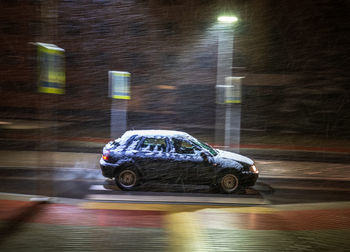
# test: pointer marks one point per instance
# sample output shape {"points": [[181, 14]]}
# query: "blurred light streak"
{"points": [[167, 87], [5, 123], [184, 232]]}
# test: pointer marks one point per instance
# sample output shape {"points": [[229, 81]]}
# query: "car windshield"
{"points": [[211, 150]]}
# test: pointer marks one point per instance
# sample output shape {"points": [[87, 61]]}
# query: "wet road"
{"points": [[27, 224], [87, 212], [90, 184]]}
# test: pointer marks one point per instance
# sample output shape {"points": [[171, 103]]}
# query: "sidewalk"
{"points": [[267, 168], [101, 226], [92, 136]]}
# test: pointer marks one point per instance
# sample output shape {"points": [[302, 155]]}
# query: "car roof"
{"points": [[165, 133]]}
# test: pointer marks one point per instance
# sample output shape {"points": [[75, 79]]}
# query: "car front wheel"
{"points": [[228, 183], [127, 179]]}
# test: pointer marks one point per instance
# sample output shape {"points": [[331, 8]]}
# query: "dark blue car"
{"points": [[174, 157]]}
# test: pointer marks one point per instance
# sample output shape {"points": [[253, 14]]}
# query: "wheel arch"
{"points": [[237, 168], [127, 163]]}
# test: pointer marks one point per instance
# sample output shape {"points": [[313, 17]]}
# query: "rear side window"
{"points": [[129, 141], [132, 142], [154, 144]]}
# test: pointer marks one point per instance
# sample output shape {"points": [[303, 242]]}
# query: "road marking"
{"points": [[144, 206], [175, 207], [177, 199]]}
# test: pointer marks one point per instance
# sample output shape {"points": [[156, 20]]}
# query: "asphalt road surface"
{"points": [[90, 184], [87, 212]]}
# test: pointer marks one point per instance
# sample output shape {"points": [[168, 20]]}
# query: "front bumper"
{"points": [[249, 179]]}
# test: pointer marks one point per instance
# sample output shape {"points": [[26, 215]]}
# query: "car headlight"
{"points": [[253, 169]]}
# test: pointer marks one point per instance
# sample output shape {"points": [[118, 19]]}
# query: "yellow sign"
{"points": [[119, 85], [233, 90], [51, 69]]}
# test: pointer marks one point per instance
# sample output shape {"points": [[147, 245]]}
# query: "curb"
{"points": [[306, 178]]}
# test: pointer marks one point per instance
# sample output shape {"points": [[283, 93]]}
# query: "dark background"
{"points": [[294, 55]]}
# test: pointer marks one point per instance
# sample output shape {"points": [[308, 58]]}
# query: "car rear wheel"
{"points": [[228, 183], [127, 179]]}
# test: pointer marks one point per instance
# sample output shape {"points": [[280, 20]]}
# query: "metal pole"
{"points": [[227, 125], [118, 118], [224, 69]]}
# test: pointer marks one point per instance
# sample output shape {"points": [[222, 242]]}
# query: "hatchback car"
{"points": [[174, 157]]}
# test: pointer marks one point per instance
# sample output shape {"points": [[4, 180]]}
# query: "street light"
{"points": [[227, 19], [227, 126]]}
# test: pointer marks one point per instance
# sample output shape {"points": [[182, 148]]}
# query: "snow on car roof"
{"points": [[168, 133]]}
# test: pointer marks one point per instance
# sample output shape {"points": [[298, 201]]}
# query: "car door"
{"points": [[151, 158], [190, 164]]}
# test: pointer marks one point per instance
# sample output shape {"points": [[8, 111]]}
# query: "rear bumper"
{"points": [[107, 170]]}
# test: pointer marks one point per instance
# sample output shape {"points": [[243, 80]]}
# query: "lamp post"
{"points": [[227, 126]]}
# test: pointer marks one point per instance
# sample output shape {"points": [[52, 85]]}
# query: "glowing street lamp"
{"points": [[227, 19]]}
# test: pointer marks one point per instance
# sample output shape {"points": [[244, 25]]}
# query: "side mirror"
{"points": [[204, 156]]}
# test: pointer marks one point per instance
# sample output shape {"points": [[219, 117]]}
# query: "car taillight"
{"points": [[105, 157]]}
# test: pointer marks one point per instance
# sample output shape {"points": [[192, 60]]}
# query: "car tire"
{"points": [[127, 179], [229, 182]]}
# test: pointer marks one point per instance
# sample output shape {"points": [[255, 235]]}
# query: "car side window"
{"points": [[132, 143], [182, 146], [154, 145]]}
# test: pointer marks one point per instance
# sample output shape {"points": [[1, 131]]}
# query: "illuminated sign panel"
{"points": [[233, 90], [51, 69], [119, 85]]}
